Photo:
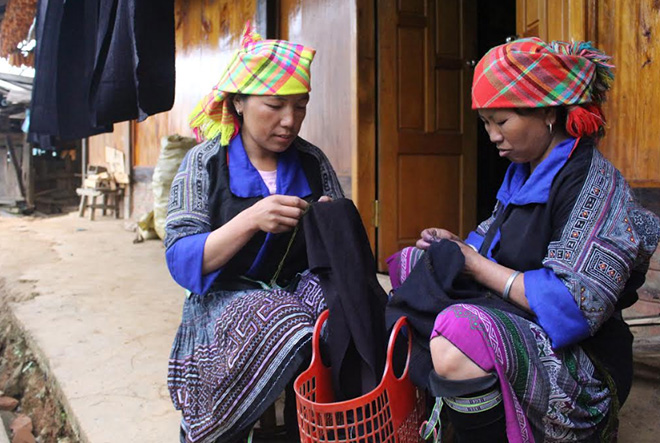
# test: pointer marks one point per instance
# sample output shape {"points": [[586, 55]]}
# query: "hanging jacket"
{"points": [[339, 252]]}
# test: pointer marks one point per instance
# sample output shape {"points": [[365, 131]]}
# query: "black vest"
{"points": [[224, 205]]}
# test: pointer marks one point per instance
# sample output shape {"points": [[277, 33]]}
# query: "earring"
{"points": [[550, 127], [240, 114]]}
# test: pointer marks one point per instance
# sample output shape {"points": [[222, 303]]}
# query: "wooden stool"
{"points": [[110, 200]]}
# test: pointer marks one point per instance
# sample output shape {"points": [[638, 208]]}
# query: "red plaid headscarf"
{"points": [[529, 73]]}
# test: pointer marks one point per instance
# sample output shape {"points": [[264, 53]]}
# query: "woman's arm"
{"points": [[493, 275], [484, 271], [274, 214]]}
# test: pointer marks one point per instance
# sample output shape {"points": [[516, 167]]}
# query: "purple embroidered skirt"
{"points": [[234, 353]]}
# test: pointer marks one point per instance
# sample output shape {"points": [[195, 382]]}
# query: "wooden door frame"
{"points": [[365, 88], [387, 133]]}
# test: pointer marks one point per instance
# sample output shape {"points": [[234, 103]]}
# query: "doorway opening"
{"points": [[495, 22]]}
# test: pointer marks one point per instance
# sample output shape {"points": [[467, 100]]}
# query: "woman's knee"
{"points": [[451, 363]]}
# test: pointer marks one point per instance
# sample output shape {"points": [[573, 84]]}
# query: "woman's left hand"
{"points": [[325, 198]]}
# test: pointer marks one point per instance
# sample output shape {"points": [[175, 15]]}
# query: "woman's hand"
{"points": [[277, 213], [325, 198], [472, 257], [430, 235]]}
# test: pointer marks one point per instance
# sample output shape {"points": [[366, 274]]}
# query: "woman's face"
{"points": [[522, 138], [271, 123]]}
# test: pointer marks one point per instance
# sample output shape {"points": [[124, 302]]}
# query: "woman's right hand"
{"points": [[277, 213], [430, 235]]}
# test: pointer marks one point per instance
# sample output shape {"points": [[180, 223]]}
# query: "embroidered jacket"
{"points": [[576, 231], [213, 185]]}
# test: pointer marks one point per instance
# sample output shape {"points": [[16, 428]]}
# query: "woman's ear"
{"points": [[550, 115], [238, 105]]}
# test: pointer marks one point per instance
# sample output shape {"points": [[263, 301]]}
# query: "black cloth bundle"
{"points": [[434, 284]]}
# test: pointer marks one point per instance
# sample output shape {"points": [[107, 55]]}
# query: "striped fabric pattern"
{"points": [[259, 67], [529, 73], [549, 395]]}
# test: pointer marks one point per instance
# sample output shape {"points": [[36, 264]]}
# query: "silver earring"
{"points": [[550, 127], [239, 113]]}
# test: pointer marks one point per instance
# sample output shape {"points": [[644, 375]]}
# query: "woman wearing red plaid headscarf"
{"points": [[233, 214], [567, 245]]}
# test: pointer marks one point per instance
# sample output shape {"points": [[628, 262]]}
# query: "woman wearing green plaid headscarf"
{"points": [[234, 208]]}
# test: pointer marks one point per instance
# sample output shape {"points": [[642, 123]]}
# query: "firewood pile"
{"points": [[16, 23]]}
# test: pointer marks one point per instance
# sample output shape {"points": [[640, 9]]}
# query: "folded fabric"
{"points": [[435, 283]]}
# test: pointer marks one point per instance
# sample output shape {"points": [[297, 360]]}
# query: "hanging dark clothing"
{"points": [[64, 60], [98, 62], [339, 253], [134, 60]]}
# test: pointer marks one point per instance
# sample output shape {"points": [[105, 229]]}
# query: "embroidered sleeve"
{"points": [[188, 220], [188, 208], [555, 309], [483, 227], [605, 238]]}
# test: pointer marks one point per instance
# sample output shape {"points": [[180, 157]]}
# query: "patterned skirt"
{"points": [[549, 395], [234, 353]]}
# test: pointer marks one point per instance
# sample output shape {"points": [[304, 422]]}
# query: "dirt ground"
{"points": [[102, 312], [22, 378], [99, 313]]}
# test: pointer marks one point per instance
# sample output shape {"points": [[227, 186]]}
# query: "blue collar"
{"points": [[245, 181], [520, 188]]}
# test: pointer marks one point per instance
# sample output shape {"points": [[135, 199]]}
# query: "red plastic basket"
{"points": [[391, 413]]}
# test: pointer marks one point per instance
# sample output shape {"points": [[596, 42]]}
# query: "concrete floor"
{"points": [[102, 312]]}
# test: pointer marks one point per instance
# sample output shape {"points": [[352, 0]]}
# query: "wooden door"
{"points": [[556, 19], [426, 129]]}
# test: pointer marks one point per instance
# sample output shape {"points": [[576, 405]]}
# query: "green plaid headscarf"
{"points": [[260, 67]]}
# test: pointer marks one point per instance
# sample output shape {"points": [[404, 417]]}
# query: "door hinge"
{"points": [[376, 213]]}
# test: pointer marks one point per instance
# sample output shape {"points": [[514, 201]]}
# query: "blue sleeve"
{"points": [[184, 260], [555, 308], [474, 239]]}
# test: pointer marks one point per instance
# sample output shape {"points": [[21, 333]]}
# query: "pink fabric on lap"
{"points": [[401, 263]]}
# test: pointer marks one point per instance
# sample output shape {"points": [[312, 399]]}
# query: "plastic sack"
{"points": [[145, 228], [173, 149]]}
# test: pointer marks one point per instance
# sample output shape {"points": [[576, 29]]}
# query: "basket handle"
{"points": [[316, 338], [389, 370]]}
